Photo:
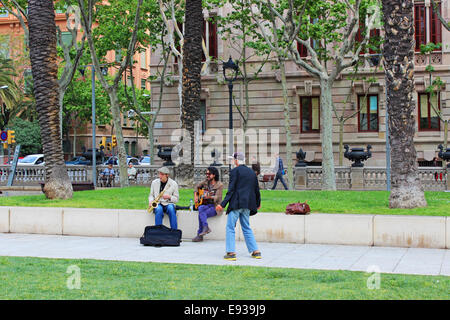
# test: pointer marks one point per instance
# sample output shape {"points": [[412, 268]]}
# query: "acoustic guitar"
{"points": [[201, 194]]}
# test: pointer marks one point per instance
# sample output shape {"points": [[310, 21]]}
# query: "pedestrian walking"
{"points": [[279, 172], [243, 199]]}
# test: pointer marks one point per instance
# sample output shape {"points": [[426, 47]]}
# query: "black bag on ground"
{"points": [[161, 235]]}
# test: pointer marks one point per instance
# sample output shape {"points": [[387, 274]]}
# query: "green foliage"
{"points": [[28, 135]]}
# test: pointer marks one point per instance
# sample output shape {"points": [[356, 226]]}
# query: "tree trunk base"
{"points": [[407, 197], [59, 185], [57, 189]]}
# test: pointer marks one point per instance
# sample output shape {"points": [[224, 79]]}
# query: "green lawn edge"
{"points": [[43, 278], [343, 202]]}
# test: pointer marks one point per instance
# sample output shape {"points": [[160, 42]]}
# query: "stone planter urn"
{"points": [[444, 155], [165, 153], [300, 158], [357, 155]]}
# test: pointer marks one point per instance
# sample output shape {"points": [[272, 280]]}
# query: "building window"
{"points": [[143, 84], [4, 47], [422, 34], [144, 59], [310, 114], [428, 117], [3, 13], [368, 113], [210, 37], [374, 34], [203, 114], [127, 147]]}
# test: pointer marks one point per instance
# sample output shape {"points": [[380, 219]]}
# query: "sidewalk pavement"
{"points": [[284, 255]]}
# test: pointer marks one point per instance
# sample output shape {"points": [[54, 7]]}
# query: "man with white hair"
{"points": [[243, 199], [168, 199]]}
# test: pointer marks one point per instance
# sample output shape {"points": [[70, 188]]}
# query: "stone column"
{"points": [[300, 178], [357, 178], [448, 178]]}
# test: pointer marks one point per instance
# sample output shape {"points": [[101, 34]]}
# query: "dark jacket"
{"points": [[243, 190]]}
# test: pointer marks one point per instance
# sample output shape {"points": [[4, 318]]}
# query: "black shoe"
{"points": [[230, 256], [205, 231], [256, 255], [198, 239]]}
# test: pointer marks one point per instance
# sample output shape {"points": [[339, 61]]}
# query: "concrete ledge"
{"points": [[344, 229], [447, 233], [347, 229], [40, 220], [91, 222], [277, 227], [410, 231], [4, 219]]}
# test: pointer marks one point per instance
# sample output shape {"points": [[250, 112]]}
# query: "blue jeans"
{"points": [[243, 215], [279, 176], [170, 210], [205, 212]]}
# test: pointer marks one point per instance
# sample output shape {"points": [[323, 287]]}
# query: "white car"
{"points": [[32, 160]]}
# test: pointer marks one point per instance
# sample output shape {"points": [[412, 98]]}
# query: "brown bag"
{"points": [[298, 208]]}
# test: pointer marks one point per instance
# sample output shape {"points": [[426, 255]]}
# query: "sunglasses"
{"points": [[208, 173]]}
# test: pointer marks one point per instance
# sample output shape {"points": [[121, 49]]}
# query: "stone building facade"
{"points": [[266, 102]]}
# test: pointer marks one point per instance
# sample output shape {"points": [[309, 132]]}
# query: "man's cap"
{"points": [[164, 170], [237, 156]]}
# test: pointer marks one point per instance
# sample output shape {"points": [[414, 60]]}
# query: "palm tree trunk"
{"points": [[398, 54], [192, 53], [44, 67]]}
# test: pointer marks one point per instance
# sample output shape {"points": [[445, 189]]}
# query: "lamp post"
{"points": [[104, 71], [230, 72]]}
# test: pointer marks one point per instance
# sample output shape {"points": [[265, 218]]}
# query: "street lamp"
{"points": [[104, 71], [230, 72]]}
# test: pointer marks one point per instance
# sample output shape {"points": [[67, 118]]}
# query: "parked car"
{"points": [[145, 160], [31, 160], [114, 160], [79, 160]]}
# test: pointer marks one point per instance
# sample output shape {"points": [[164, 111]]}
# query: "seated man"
{"points": [[212, 196], [107, 175], [168, 199], [132, 172]]}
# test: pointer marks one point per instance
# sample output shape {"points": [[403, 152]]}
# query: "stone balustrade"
{"points": [[305, 178]]}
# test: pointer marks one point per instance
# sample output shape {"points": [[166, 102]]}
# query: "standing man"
{"points": [[243, 199], [212, 196], [167, 201], [279, 172]]}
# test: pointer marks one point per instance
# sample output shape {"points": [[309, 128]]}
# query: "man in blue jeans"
{"points": [[168, 199], [279, 172], [243, 199]]}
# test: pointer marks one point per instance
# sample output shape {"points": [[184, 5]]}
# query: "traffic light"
{"points": [[11, 137], [108, 146], [114, 141], [103, 143]]}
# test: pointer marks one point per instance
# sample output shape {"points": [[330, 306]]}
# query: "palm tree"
{"points": [[44, 67], [192, 56], [398, 52], [9, 93]]}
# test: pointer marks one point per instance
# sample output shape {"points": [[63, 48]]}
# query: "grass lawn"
{"points": [[359, 202], [38, 278]]}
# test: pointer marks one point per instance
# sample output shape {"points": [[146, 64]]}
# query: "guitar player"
{"points": [[208, 194]]}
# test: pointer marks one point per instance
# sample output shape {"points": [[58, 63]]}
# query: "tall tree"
{"points": [[327, 29], [123, 19], [192, 57], [44, 67], [398, 52]]}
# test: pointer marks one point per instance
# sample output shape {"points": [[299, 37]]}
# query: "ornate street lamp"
{"points": [[230, 72]]}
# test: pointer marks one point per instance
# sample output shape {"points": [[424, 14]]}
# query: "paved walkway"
{"points": [[286, 255]]}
